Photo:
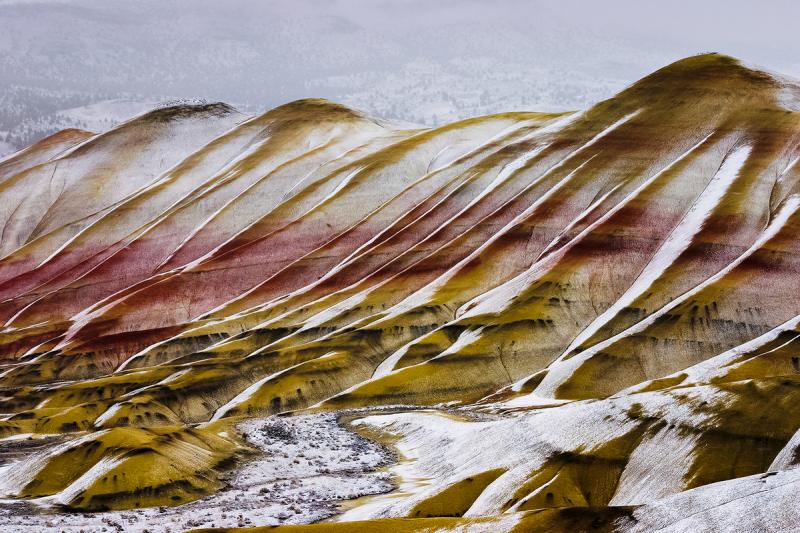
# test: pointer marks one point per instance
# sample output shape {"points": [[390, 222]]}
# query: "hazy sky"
{"points": [[762, 31], [418, 60]]}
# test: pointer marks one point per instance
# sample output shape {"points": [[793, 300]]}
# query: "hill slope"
{"points": [[607, 296]]}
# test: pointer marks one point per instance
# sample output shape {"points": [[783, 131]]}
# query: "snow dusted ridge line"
{"points": [[718, 366], [679, 239], [562, 368], [248, 392], [426, 292], [477, 304]]}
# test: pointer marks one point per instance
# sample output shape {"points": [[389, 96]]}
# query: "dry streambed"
{"points": [[307, 466]]}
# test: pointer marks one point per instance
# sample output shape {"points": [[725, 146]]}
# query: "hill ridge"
{"points": [[616, 282]]}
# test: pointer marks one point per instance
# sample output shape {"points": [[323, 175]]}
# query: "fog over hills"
{"points": [[418, 61]]}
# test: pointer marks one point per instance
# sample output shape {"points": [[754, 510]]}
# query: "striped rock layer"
{"points": [[617, 287]]}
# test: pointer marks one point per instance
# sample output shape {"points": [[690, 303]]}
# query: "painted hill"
{"points": [[603, 300]]}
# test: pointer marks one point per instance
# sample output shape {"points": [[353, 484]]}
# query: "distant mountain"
{"points": [[57, 55], [28, 114], [563, 321]]}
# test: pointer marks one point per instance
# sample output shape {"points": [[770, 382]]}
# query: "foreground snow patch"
{"points": [[305, 467]]}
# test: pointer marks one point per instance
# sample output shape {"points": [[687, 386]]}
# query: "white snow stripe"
{"points": [[791, 165], [234, 199], [508, 132], [425, 293], [588, 211], [250, 391], [515, 284], [714, 366]]}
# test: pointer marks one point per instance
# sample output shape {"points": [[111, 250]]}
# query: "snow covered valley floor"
{"points": [[394, 463], [307, 465]]}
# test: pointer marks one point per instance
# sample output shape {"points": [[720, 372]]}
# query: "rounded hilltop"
{"points": [[711, 74], [180, 111], [66, 135], [318, 110]]}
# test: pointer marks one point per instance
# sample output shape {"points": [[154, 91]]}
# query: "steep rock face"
{"points": [[599, 289]]}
